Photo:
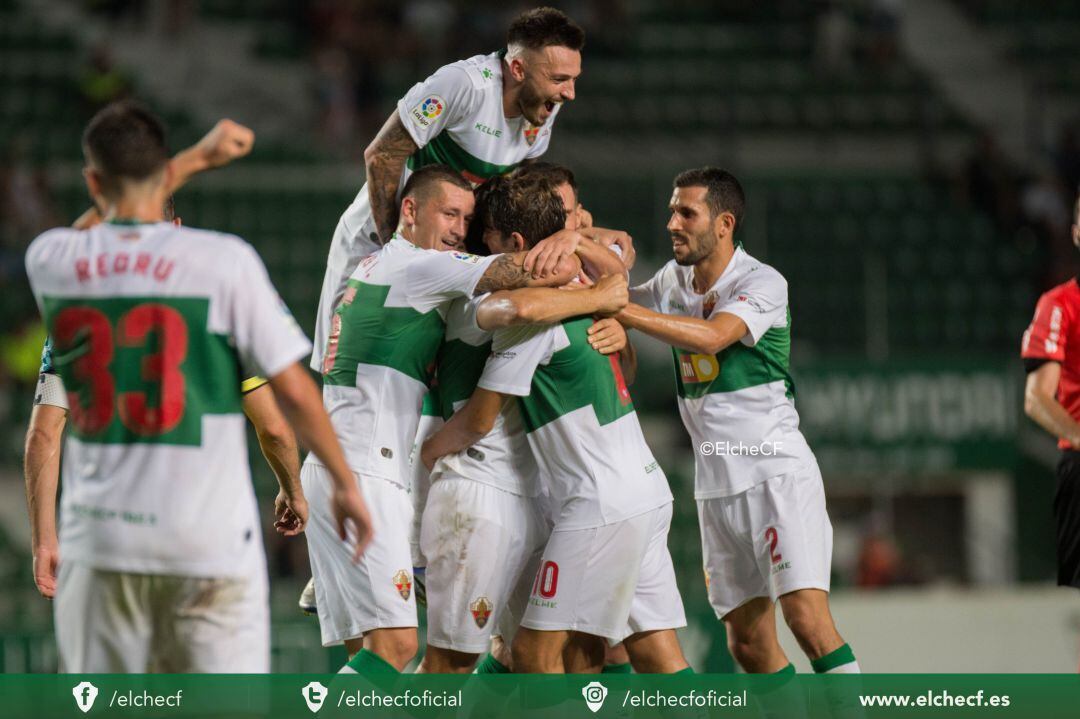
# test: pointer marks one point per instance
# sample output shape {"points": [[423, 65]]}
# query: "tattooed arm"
{"points": [[384, 159], [507, 272]]}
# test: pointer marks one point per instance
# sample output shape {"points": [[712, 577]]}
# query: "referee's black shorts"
{"points": [[1067, 514]]}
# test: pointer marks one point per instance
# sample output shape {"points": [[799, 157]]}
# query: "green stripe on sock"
{"points": [[369, 663], [491, 665], [688, 670], [834, 659], [788, 670], [617, 669]]}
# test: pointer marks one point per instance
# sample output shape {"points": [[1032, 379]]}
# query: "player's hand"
{"points": [[291, 513], [226, 142], [620, 239], [427, 456], [46, 563], [543, 259], [607, 336], [349, 508], [612, 294]]}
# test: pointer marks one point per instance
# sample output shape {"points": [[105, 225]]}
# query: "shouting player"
{"points": [[152, 324], [376, 369], [765, 533]]}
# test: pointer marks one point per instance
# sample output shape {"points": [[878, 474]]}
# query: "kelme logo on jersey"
{"points": [[481, 611], [465, 257], [698, 368], [428, 110], [531, 133], [403, 584]]}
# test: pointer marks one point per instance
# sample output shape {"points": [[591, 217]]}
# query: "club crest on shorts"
{"points": [[403, 584], [481, 611], [531, 133]]}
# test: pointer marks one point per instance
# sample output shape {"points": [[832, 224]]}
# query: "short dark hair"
{"points": [[125, 141], [543, 27], [530, 206], [421, 182], [556, 174], [723, 193]]}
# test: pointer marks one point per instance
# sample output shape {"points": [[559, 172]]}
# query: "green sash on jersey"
{"points": [[577, 376], [120, 356], [372, 333], [442, 150], [737, 366], [460, 367]]}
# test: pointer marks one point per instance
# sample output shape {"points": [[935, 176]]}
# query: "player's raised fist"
{"points": [[613, 294], [227, 141]]}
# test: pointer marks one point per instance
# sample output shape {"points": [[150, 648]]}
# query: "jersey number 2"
{"points": [[94, 366]]}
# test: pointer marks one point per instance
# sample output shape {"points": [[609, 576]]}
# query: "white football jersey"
{"points": [[502, 458], [738, 405], [152, 327], [456, 118], [381, 351], [580, 422]]}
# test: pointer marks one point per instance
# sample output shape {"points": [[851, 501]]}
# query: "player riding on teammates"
{"points": [[765, 533], [152, 324]]}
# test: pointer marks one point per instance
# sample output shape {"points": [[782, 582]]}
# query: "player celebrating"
{"points": [[764, 530], [1051, 352], [482, 525], [377, 367], [480, 116], [151, 329]]}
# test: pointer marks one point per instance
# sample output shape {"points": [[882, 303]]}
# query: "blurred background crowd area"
{"points": [[910, 166]]}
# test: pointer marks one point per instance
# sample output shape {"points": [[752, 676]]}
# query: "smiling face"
{"points": [[693, 229], [548, 76], [437, 219]]}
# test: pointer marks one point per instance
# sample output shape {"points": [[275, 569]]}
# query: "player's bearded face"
{"points": [[550, 75], [691, 226]]}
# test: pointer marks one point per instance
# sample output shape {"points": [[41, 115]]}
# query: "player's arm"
{"points": [[508, 272], [606, 238], [384, 160], [542, 305], [547, 254], [301, 403], [226, 141], [469, 425], [1040, 403], [278, 444], [41, 468], [702, 336]]}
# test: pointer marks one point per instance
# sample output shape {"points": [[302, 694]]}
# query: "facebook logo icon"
{"points": [[85, 694]]}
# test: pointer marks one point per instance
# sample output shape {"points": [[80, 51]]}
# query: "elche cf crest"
{"points": [[531, 133], [481, 611], [403, 584]]}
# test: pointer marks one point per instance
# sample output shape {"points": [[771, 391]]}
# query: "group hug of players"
{"points": [[472, 341]]}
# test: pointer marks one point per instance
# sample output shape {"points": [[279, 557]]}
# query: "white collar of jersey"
{"points": [[736, 258]]}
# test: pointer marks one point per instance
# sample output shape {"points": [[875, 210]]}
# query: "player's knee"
{"points": [[806, 622], [527, 652], [398, 649]]}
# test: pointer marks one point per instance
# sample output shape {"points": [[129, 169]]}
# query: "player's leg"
{"points": [[738, 592], [584, 654], [369, 605], [657, 607], [476, 539], [103, 621], [538, 651], [616, 660], [793, 539]]}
